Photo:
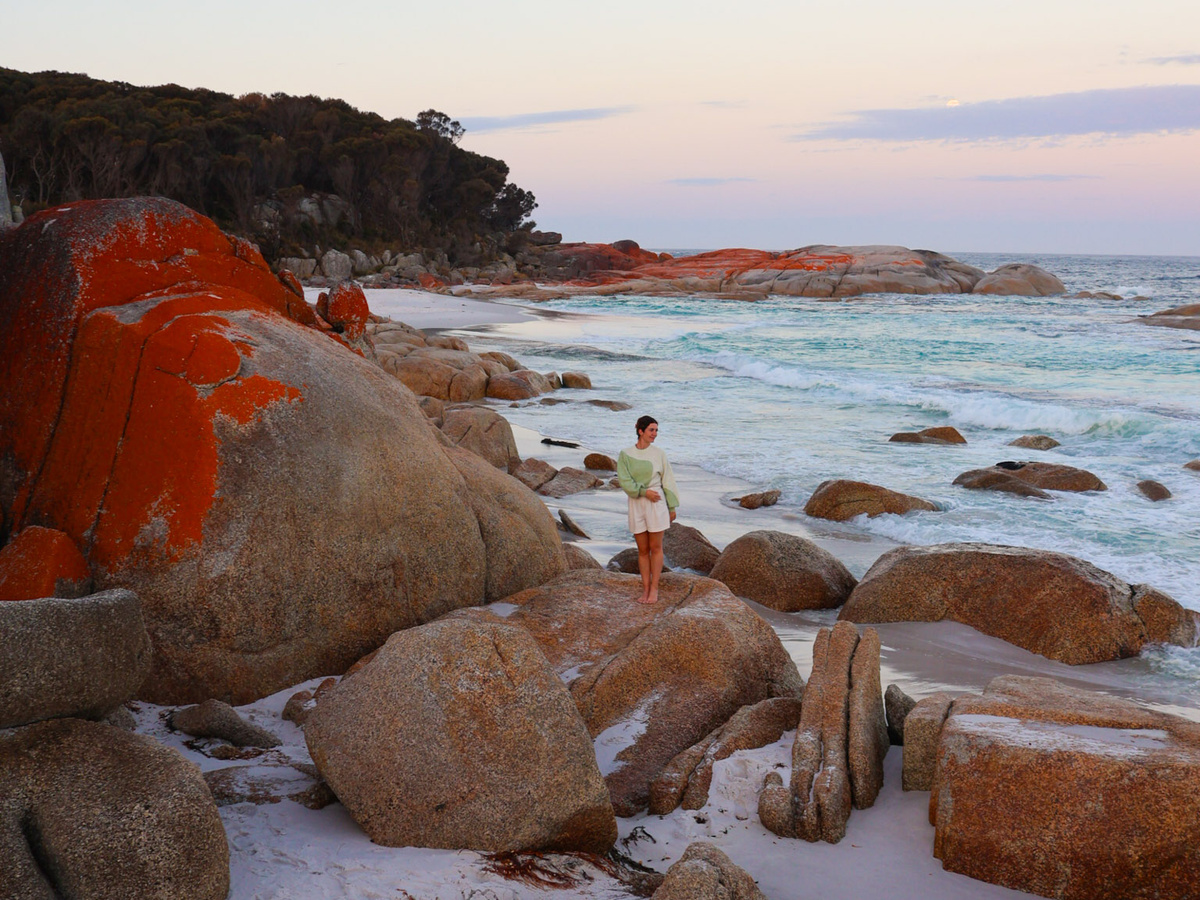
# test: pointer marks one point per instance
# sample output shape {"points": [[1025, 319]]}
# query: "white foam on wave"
{"points": [[1180, 662]]}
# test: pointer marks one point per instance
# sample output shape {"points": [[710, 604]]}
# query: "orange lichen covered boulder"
{"points": [[345, 308], [42, 562], [814, 271], [279, 504]]}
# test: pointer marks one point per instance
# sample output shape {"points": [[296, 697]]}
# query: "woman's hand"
{"points": [[672, 515], [652, 495]]}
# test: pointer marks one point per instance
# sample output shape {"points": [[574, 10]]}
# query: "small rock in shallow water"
{"points": [[1154, 490], [1035, 442], [943, 434], [756, 501], [600, 462], [571, 525]]}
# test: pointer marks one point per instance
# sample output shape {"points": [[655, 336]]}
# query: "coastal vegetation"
{"points": [[290, 173]]}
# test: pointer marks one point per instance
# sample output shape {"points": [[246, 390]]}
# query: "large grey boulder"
{"points": [[336, 265], [88, 810], [81, 657], [459, 734]]}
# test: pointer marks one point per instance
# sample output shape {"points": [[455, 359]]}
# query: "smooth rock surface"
{"points": [[1035, 442], [687, 548], [569, 480], [458, 734], [943, 434], [896, 705], [1039, 475], [758, 500], [578, 558], [1154, 490], [783, 571], [78, 657], [214, 719], [842, 500], [1019, 280], [600, 462], [1049, 603], [651, 681], [705, 873], [89, 810], [485, 433], [922, 729]]}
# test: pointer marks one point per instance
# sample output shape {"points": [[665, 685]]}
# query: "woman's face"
{"points": [[650, 433]]}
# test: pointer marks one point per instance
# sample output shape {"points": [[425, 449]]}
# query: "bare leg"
{"points": [[643, 545], [656, 564]]}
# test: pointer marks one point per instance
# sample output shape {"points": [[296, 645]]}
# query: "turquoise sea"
{"points": [[786, 393]]}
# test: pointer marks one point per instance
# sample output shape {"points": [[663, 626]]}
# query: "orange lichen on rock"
{"points": [[345, 308], [42, 562], [90, 256]]}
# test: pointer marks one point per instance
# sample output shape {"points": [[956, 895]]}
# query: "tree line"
{"points": [[254, 164]]}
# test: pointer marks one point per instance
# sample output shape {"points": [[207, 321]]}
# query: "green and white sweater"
{"points": [[641, 470]]}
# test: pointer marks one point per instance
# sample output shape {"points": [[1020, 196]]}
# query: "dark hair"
{"points": [[645, 422]]}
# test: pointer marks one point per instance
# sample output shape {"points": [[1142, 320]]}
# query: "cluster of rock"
{"points": [[840, 500], [841, 740], [282, 506], [88, 808], [624, 267], [181, 417], [1058, 791], [813, 271], [438, 739], [431, 271]]}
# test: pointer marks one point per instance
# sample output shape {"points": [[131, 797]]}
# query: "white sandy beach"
{"points": [[284, 850]]}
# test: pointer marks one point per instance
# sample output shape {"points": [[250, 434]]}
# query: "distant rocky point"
{"points": [[1177, 317], [623, 267]]}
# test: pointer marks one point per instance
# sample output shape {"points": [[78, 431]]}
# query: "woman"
{"points": [[645, 475]]}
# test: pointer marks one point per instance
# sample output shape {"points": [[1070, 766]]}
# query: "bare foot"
{"points": [[644, 599], [652, 597]]}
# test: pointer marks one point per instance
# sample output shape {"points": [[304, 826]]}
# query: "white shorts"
{"points": [[645, 515]]}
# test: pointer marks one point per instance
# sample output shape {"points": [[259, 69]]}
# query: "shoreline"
{"points": [[921, 657]]}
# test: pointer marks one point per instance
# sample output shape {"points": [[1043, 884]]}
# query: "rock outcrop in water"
{"points": [[1177, 317], [279, 504], [1048, 603]]}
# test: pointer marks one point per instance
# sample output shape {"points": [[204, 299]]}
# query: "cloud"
{"points": [[1118, 111], [479, 124], [724, 104], [1187, 59], [704, 182], [1042, 177]]}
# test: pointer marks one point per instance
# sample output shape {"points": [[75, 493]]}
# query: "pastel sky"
{"points": [[956, 125]]}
